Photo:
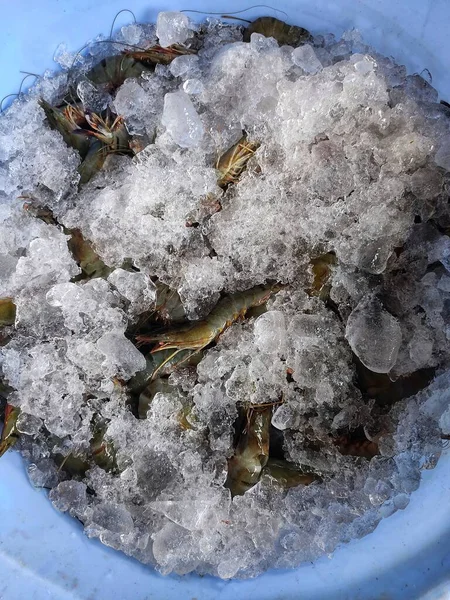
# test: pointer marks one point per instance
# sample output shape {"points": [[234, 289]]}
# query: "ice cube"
{"points": [[185, 65], [43, 473], [193, 86], [69, 495], [181, 120], [93, 99], [122, 358], [374, 335], [113, 517], [135, 287], [28, 424], [172, 28], [270, 332], [305, 57]]}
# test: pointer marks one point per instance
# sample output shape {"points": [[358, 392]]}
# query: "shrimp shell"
{"points": [[10, 434], [284, 33], [252, 451], [231, 164], [158, 55], [201, 333]]}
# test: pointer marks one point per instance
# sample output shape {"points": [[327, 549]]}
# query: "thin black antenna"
{"points": [[236, 12], [235, 18], [115, 18], [20, 89]]}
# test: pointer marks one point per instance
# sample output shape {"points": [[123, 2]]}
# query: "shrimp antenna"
{"points": [[430, 76], [20, 89], [28, 73], [236, 12], [4, 98], [235, 18], [115, 18]]}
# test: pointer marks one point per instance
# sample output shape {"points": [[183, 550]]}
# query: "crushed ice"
{"points": [[352, 161]]}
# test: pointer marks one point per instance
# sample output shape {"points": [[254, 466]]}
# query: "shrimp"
{"points": [[252, 451], [103, 452], [93, 162], [7, 312], [362, 448], [322, 268], [162, 363], [287, 474], [62, 121], [75, 115], [114, 70], [231, 164], [10, 435], [81, 249], [168, 304], [78, 127], [85, 256], [199, 334], [158, 55], [110, 130], [284, 33]]}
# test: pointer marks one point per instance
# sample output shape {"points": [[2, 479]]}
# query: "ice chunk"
{"points": [[442, 157], [47, 261], [185, 65], [426, 183], [65, 58], [270, 332], [122, 358], [69, 495], [285, 417], [305, 57], [43, 473], [113, 517], [444, 283], [174, 550], [28, 424], [193, 86], [189, 514], [374, 335], [131, 34], [92, 98], [181, 120], [172, 28], [135, 287]]}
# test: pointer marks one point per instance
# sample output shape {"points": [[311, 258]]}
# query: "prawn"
{"points": [[162, 363], [322, 268], [65, 122], [110, 130], [112, 71], [252, 451], [285, 34], [231, 164], [362, 448], [7, 312], [200, 334], [287, 474], [158, 55], [168, 305], [10, 435]]}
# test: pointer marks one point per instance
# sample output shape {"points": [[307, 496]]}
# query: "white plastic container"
{"points": [[45, 555]]}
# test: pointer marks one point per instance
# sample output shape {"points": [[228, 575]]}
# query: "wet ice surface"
{"points": [[352, 160]]}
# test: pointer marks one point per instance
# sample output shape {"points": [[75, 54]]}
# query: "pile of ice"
{"points": [[353, 159]]}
